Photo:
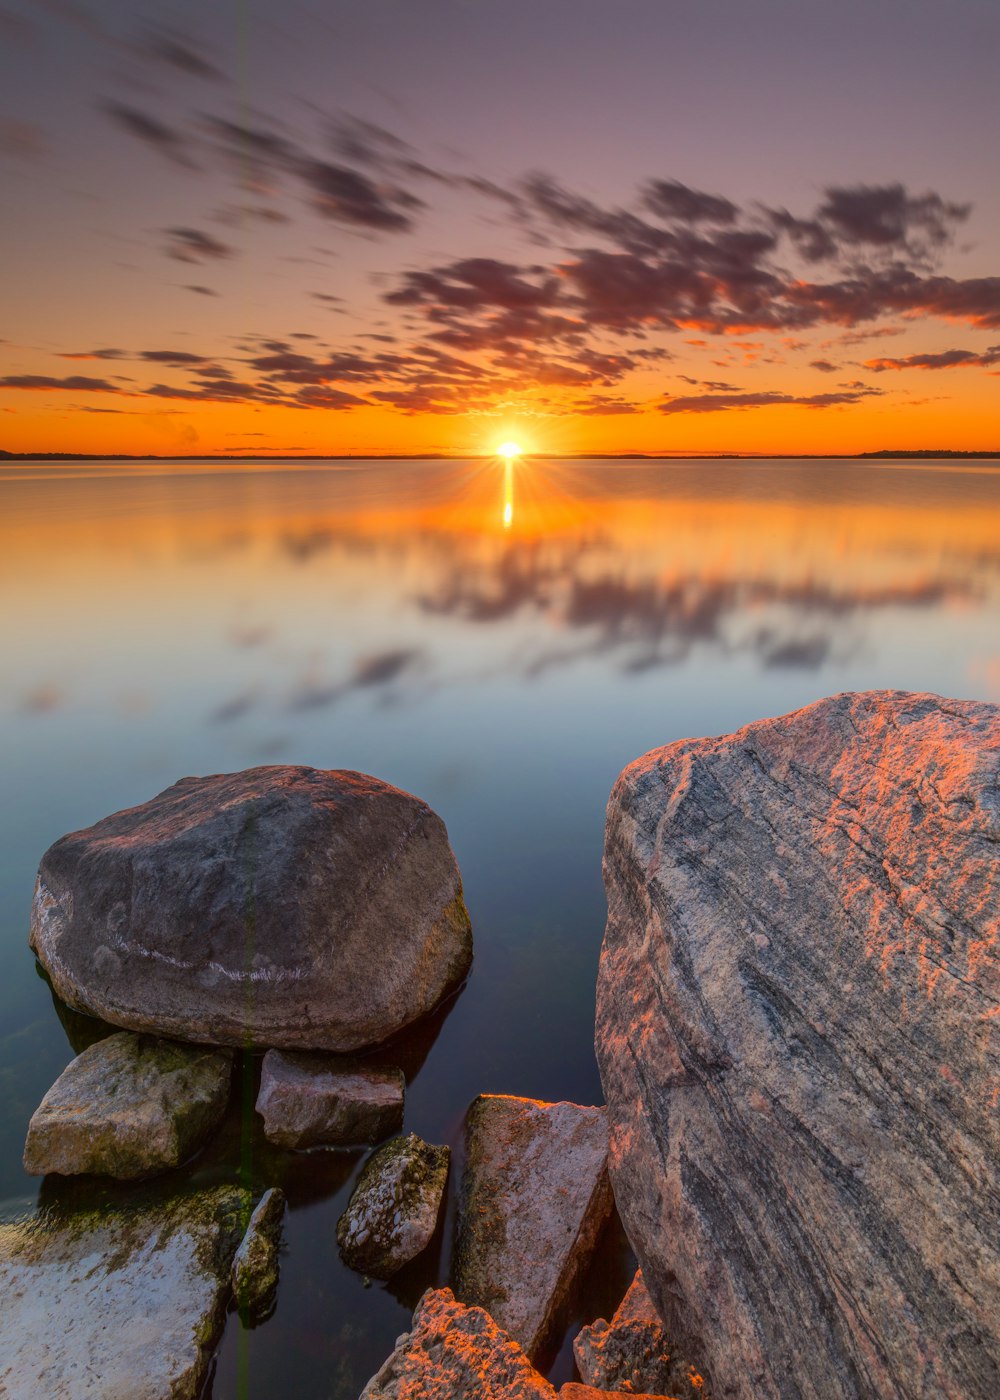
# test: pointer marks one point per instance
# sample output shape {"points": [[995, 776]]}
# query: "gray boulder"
{"points": [[394, 1208], [255, 1264], [797, 1038], [535, 1197], [456, 1353], [281, 906], [116, 1305], [633, 1352], [129, 1106], [312, 1101]]}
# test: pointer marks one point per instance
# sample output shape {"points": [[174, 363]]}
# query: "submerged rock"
{"points": [[456, 1353], [119, 1305], [633, 1353], [255, 1264], [311, 1101], [797, 1037], [128, 1106], [394, 1208], [280, 906], [535, 1196]]}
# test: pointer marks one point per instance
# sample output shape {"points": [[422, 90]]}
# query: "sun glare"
{"points": [[508, 450]]}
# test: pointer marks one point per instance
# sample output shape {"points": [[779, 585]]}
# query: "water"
{"points": [[381, 616]]}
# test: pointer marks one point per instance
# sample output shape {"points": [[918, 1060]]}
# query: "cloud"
{"points": [[717, 403], [887, 216], [78, 383], [673, 201], [201, 291], [178, 53], [824, 366], [191, 245], [91, 354], [944, 359], [152, 132]]}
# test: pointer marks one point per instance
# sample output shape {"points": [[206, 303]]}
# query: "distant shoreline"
{"points": [[884, 454]]}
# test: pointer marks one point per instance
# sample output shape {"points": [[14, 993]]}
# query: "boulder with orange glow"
{"points": [[797, 1033], [281, 906]]}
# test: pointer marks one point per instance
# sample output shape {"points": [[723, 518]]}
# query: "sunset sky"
{"points": [[430, 225]]}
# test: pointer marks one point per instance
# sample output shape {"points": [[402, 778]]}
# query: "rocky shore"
{"points": [[796, 1032]]}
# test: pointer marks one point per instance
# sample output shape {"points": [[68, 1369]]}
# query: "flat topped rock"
{"points": [[394, 1208], [120, 1305], [312, 1101], [454, 1352], [281, 906], [129, 1106], [535, 1196], [797, 1032]]}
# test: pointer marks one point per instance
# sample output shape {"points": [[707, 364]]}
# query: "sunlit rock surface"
{"points": [[535, 1197], [119, 1305], [281, 906], [312, 1101], [634, 1353], [454, 1352], [255, 1264], [129, 1106], [797, 1034], [394, 1208]]}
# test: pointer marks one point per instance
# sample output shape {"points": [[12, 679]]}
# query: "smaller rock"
{"points": [[393, 1210], [535, 1197], [129, 1106], [456, 1353], [255, 1264], [572, 1390], [312, 1101], [633, 1353]]}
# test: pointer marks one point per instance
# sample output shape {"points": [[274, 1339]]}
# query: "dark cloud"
{"points": [[888, 216], [201, 291], [824, 366], [179, 53], [349, 197], [91, 354], [717, 403], [178, 358], [944, 359], [673, 201], [80, 383], [192, 245], [153, 132]]}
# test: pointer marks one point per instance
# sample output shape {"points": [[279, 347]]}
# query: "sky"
{"points": [[422, 226]]}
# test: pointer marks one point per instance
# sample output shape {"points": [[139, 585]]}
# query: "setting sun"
{"points": [[508, 450]]}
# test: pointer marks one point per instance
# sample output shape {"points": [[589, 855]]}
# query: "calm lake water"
{"points": [[383, 616]]}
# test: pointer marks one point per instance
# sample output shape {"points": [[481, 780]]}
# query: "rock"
{"points": [[797, 1034], [255, 1264], [119, 1305], [311, 1101], [633, 1352], [129, 1106], [394, 1208], [456, 1353], [280, 906], [535, 1197], [572, 1390]]}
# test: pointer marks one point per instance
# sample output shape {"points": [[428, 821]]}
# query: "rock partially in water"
{"points": [[394, 1208], [119, 1305], [454, 1352], [535, 1197], [255, 1264], [633, 1352], [129, 1106], [281, 906], [312, 1101], [797, 1035]]}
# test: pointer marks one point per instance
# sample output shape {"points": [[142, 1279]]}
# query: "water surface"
{"points": [[163, 621]]}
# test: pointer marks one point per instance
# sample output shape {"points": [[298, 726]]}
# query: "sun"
{"points": [[509, 450]]}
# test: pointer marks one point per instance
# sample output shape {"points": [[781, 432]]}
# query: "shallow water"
{"points": [[381, 616]]}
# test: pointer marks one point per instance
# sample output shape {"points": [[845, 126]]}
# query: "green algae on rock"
{"points": [[255, 1264], [394, 1208], [128, 1106], [126, 1304]]}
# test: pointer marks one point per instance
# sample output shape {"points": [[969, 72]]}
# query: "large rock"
{"points": [[456, 1353], [535, 1197], [633, 1352], [797, 1033], [129, 1106], [311, 1101], [120, 1305], [394, 1208], [281, 906]]}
